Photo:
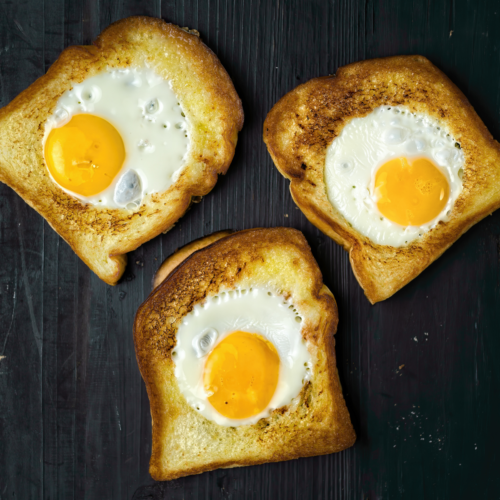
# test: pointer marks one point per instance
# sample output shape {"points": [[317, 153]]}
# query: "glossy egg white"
{"points": [[144, 109], [367, 143], [253, 310]]}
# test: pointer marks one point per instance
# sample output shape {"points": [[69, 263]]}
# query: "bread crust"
{"points": [[301, 126], [102, 237], [315, 423]]}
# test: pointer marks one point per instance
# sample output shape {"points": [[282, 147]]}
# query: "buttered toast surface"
{"points": [[241, 270], [389, 159], [114, 143]]}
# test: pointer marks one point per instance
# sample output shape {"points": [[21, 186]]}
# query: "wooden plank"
{"points": [[21, 278], [59, 307]]}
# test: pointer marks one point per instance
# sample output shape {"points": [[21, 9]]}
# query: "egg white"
{"points": [[144, 109], [367, 143], [253, 310]]}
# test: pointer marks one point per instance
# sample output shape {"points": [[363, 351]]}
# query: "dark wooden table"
{"points": [[420, 371]]}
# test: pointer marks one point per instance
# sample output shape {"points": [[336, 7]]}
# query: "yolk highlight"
{"points": [[411, 193], [241, 374], [84, 155]]}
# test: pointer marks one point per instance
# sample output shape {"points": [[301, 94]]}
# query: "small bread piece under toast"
{"points": [[102, 237], [301, 126], [170, 263], [185, 442]]}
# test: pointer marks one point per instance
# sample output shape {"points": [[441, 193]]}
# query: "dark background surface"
{"points": [[74, 413]]}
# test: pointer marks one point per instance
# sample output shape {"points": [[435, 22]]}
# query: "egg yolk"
{"points": [[241, 374], [84, 155], [411, 192]]}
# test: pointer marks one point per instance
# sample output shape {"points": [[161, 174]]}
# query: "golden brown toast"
{"points": [[102, 237], [316, 422], [301, 126]]}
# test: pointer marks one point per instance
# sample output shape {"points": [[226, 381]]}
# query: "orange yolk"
{"points": [[411, 192], [241, 374], [84, 155]]}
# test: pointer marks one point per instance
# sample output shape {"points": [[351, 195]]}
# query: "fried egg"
{"points": [[394, 174], [117, 137], [240, 355]]}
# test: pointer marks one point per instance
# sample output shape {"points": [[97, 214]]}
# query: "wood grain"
{"points": [[419, 371]]}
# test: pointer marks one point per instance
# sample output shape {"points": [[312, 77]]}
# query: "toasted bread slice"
{"points": [[102, 237], [315, 423], [301, 126]]}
